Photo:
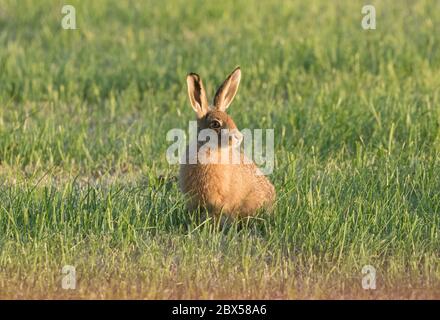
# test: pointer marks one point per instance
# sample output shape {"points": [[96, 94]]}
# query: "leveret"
{"points": [[233, 188]]}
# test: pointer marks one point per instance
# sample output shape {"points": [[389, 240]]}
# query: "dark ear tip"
{"points": [[193, 75], [236, 72]]}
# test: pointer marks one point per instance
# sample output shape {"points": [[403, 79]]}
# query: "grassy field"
{"points": [[83, 120]]}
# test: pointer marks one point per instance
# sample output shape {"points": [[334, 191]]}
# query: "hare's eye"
{"points": [[215, 124]]}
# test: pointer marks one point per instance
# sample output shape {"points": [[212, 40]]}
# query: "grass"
{"points": [[83, 120]]}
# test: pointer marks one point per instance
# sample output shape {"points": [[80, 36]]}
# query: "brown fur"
{"points": [[233, 189]]}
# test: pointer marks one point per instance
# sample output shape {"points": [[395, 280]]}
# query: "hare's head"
{"points": [[214, 117]]}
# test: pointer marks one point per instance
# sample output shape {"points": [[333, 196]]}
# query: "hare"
{"points": [[235, 189]]}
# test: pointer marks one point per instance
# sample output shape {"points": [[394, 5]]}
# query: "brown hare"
{"points": [[236, 189]]}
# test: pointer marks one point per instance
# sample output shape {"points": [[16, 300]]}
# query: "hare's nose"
{"points": [[236, 136]]}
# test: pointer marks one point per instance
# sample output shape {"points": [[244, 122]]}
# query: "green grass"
{"points": [[83, 120]]}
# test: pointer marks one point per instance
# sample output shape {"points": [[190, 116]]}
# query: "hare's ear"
{"points": [[197, 95], [226, 93]]}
